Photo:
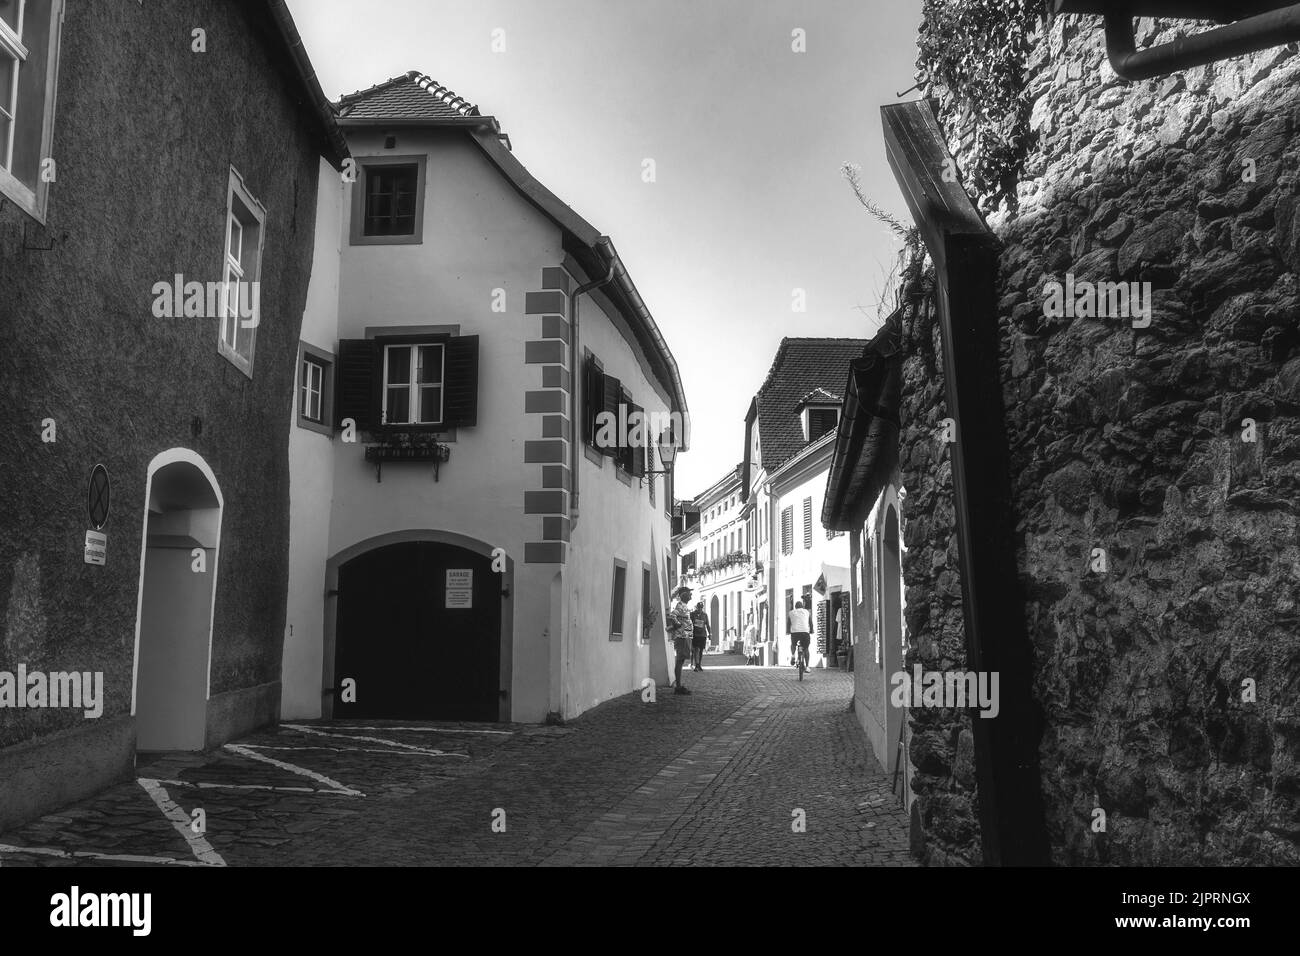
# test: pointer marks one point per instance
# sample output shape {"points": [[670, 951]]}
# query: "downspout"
{"points": [[575, 389], [1271, 29], [1259, 25]]}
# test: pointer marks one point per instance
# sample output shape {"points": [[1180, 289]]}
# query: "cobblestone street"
{"points": [[719, 777]]}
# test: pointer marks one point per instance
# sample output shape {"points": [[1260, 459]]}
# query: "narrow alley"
{"points": [[753, 768]]}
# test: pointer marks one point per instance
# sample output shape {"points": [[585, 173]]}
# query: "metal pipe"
{"points": [[1274, 28], [576, 384]]}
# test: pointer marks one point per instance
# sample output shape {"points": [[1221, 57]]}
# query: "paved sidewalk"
{"points": [[752, 768]]}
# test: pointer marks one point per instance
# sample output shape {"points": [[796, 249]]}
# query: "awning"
{"points": [[833, 576]]}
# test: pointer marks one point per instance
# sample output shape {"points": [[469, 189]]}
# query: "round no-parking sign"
{"points": [[97, 497]]}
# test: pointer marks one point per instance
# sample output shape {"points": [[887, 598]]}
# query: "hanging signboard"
{"points": [[96, 547]]}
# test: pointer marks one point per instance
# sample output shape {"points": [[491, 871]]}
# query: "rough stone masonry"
{"points": [[1169, 682]]}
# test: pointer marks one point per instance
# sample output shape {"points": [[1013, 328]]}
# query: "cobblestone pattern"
{"points": [[706, 779]]}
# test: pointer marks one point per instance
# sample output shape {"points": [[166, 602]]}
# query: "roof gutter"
{"points": [[362, 122], [307, 73]]}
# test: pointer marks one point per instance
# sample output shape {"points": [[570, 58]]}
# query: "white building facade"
{"points": [[789, 436], [464, 544], [726, 562]]}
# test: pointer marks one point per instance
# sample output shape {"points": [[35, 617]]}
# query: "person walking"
{"points": [[700, 635], [751, 641], [799, 626], [679, 626]]}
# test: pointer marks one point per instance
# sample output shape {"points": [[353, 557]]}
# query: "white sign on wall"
{"points": [[96, 547], [460, 588]]}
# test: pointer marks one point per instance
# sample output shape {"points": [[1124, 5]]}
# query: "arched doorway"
{"points": [[418, 634], [178, 574], [713, 616], [891, 628]]}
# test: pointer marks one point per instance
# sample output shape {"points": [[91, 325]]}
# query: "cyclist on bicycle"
{"points": [[799, 622]]}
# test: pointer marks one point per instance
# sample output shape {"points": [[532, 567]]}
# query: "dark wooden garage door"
{"points": [[412, 655]]}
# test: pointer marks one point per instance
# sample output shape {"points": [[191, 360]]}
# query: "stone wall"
{"points": [[1173, 447], [945, 822], [145, 134]]}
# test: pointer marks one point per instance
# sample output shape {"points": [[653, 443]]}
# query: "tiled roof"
{"points": [[413, 95], [800, 365]]}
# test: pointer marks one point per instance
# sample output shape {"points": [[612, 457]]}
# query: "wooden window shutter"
{"points": [[639, 457], [807, 522], [592, 396], [611, 393], [356, 383], [648, 465], [460, 396], [787, 530]]}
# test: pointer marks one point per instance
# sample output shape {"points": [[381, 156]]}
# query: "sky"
{"points": [[747, 137]]}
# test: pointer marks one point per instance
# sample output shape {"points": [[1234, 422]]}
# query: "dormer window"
{"points": [[818, 420], [819, 413]]}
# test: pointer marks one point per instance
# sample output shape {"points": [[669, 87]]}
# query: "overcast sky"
{"points": [[747, 136]]}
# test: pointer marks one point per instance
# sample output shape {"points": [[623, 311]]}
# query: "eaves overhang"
{"points": [[866, 440], [320, 104]]}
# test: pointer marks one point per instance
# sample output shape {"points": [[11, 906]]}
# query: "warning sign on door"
{"points": [[460, 587]]}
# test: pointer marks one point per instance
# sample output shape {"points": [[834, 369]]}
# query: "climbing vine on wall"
{"points": [[972, 56]]}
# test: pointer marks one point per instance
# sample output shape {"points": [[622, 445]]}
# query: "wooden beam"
{"points": [[965, 254]]}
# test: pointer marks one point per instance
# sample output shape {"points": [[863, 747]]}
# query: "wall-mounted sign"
{"points": [[460, 588], [96, 548], [97, 497]]}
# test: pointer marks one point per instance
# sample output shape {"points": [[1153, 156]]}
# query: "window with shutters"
{"points": [[388, 201], [787, 530], [617, 594], [600, 398], [817, 420], [646, 604], [409, 383], [609, 415], [807, 522], [626, 453], [29, 57]]}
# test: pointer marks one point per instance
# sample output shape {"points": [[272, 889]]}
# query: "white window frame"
{"points": [[312, 389], [237, 269], [413, 387], [33, 201]]}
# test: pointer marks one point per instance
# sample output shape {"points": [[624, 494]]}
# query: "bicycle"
{"points": [[801, 659]]}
